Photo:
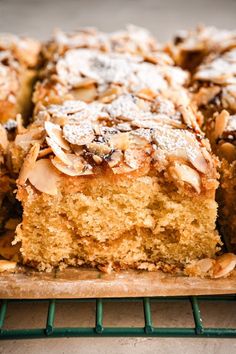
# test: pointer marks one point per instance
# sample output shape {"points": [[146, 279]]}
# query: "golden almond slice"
{"points": [[205, 95], [58, 151], [115, 158], [78, 134], [54, 132], [134, 158], [19, 124], [85, 83], [224, 265], [86, 94], [27, 138], [45, 152], [119, 141], [195, 156], [221, 123], [44, 177], [99, 149], [28, 164], [186, 174], [3, 139], [78, 168], [122, 169], [7, 266], [146, 94], [228, 151]]}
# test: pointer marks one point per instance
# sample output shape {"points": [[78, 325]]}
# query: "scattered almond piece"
{"points": [[228, 151], [78, 134], [224, 265], [77, 167], [58, 151]]}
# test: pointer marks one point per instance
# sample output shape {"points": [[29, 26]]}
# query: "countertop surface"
{"points": [[38, 18]]}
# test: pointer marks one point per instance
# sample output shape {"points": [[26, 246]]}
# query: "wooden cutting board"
{"points": [[90, 283]]}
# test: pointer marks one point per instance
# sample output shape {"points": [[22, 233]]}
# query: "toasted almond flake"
{"points": [[19, 122], [99, 149], [205, 95], [110, 94], [44, 177], [186, 174], [58, 151], [146, 94], [197, 159], [205, 265], [119, 141], [28, 164], [54, 131], [7, 266], [85, 83], [3, 139], [122, 169], [78, 168], [86, 94], [25, 139], [134, 158], [45, 152], [221, 123], [225, 264], [115, 158], [78, 134], [97, 159], [228, 151]]}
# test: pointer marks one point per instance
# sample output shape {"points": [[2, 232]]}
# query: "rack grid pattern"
{"points": [[99, 330]]}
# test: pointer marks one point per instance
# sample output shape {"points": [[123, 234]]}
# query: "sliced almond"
{"points": [[7, 266], [3, 139], [19, 122], [197, 159], [77, 168], [146, 94], [134, 158], [58, 151], [44, 177], [45, 152], [225, 264], [31, 135], [54, 131], [86, 94], [122, 169], [78, 134], [186, 174], [99, 149], [228, 151], [115, 158], [221, 123], [205, 95], [28, 164], [119, 141]]}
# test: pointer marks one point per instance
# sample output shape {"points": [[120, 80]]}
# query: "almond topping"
{"points": [[221, 123], [79, 134], [86, 94], [29, 164], [58, 151], [225, 264], [54, 131], [119, 141], [134, 158], [186, 174], [44, 177], [77, 168], [115, 158], [228, 151], [3, 139]]}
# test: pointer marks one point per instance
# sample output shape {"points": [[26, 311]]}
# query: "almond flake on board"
{"points": [[224, 265], [7, 266]]}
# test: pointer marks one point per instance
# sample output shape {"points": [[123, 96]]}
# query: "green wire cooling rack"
{"points": [[99, 330]]}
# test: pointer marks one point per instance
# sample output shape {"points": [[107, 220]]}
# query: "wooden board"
{"points": [[89, 283]]}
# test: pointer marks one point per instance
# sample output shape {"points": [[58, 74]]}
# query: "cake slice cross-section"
{"points": [[124, 185]]}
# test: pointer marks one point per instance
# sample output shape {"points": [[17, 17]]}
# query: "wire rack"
{"points": [[99, 330]]}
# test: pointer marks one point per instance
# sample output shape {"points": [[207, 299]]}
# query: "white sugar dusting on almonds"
{"points": [[80, 134]]}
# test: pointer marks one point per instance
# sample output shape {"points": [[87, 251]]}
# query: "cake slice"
{"points": [[18, 59], [129, 184], [189, 48]]}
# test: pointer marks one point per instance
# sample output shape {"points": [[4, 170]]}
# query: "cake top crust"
{"points": [[127, 135]]}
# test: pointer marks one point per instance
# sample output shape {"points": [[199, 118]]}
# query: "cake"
{"points": [[190, 48], [89, 65], [18, 59], [128, 184]]}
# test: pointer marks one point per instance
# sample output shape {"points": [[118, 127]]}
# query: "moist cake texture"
{"points": [[130, 184]]}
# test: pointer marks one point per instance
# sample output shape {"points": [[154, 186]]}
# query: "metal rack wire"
{"points": [[99, 330]]}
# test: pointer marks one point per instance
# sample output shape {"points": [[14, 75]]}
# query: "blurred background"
{"points": [[163, 18]]}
